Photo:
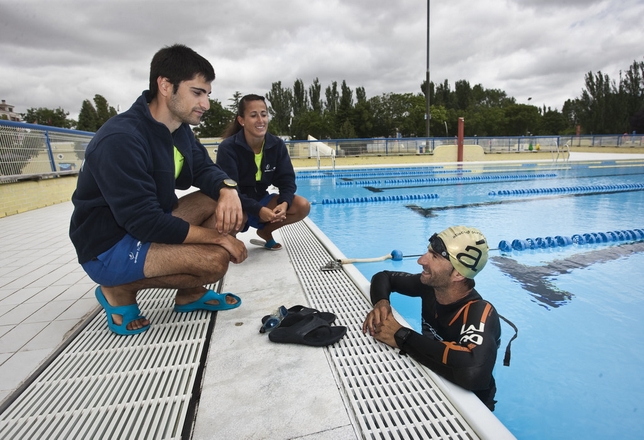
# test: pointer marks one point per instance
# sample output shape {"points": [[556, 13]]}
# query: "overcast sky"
{"points": [[59, 53]]}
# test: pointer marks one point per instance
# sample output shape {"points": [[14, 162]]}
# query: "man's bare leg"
{"points": [[185, 267], [198, 209]]}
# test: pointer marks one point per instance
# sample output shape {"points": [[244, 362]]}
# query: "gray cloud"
{"points": [[56, 54]]}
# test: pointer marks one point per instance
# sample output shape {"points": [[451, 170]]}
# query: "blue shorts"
{"points": [[121, 264], [254, 220]]}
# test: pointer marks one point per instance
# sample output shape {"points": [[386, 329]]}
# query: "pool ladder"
{"points": [[563, 151]]}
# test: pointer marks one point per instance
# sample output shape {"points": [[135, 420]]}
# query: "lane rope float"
{"points": [[568, 189], [375, 199], [578, 239]]}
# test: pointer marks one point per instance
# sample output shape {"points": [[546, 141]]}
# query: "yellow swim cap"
{"points": [[467, 249]]}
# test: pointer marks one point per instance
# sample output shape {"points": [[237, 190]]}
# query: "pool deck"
{"points": [[45, 296]]}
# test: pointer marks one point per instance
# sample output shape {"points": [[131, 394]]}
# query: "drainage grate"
{"points": [[107, 386], [390, 396]]}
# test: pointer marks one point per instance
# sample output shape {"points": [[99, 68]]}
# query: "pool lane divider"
{"points": [[568, 189], [631, 235], [373, 172], [375, 199], [459, 179]]}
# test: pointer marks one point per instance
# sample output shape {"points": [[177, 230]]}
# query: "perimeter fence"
{"points": [[30, 151]]}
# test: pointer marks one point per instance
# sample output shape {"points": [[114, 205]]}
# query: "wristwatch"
{"points": [[401, 336], [228, 183]]}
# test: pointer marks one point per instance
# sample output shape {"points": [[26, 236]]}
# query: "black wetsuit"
{"points": [[459, 340]]}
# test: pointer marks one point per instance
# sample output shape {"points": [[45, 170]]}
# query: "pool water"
{"points": [[575, 369]]}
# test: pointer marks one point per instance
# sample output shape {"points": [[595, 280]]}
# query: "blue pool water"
{"points": [[576, 365]]}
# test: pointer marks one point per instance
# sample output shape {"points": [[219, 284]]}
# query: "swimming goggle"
{"points": [[437, 245], [274, 320]]}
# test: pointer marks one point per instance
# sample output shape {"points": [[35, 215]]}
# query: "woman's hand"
{"points": [[277, 214]]}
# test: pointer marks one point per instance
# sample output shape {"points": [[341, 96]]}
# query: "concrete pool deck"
{"points": [[45, 296]]}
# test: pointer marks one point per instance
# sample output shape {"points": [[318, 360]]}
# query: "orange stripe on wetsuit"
{"points": [[453, 345]]}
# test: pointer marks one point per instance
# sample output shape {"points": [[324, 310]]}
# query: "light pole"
{"points": [[428, 115]]}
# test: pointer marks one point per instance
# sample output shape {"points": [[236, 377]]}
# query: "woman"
{"points": [[256, 159]]}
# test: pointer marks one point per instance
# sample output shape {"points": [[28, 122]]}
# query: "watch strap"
{"points": [[401, 336]]}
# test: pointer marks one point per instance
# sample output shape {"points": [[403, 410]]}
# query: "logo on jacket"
{"points": [[269, 169]]}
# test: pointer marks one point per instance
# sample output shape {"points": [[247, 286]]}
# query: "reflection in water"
{"points": [[538, 280]]}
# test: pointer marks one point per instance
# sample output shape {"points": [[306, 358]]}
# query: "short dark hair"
{"points": [[178, 63]]}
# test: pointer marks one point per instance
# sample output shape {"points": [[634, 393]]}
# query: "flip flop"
{"points": [[270, 245], [291, 316], [297, 313], [210, 295], [311, 330], [128, 313]]}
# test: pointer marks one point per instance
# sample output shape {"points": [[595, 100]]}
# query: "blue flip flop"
{"points": [[270, 245], [210, 295], [128, 313]]}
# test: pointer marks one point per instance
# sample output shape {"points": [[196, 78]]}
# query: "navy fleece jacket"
{"points": [[126, 183], [237, 159]]}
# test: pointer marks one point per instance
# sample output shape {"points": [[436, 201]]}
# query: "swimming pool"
{"points": [[572, 289]]}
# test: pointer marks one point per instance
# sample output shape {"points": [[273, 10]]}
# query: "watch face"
{"points": [[230, 183]]}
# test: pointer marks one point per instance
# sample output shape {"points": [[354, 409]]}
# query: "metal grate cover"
{"points": [[390, 396], [107, 386]]}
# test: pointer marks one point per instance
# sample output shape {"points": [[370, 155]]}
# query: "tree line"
{"points": [[605, 106], [90, 118]]}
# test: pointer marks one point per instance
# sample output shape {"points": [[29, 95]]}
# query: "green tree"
{"points": [[103, 110], [398, 114], [315, 93], [637, 122], [343, 115], [443, 96], [482, 121], [347, 131], [463, 95], [437, 124], [552, 122], [234, 102], [596, 104], [632, 86], [432, 92], [361, 118], [92, 117], [281, 101], [87, 117], [300, 98], [521, 119], [214, 121], [412, 123], [46, 116], [382, 115], [332, 98]]}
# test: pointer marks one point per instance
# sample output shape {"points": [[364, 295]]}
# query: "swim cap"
{"points": [[467, 249]]}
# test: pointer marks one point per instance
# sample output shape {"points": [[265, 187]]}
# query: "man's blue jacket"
{"points": [[127, 185]]}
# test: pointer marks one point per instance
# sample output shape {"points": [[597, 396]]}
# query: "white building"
{"points": [[7, 113]]}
